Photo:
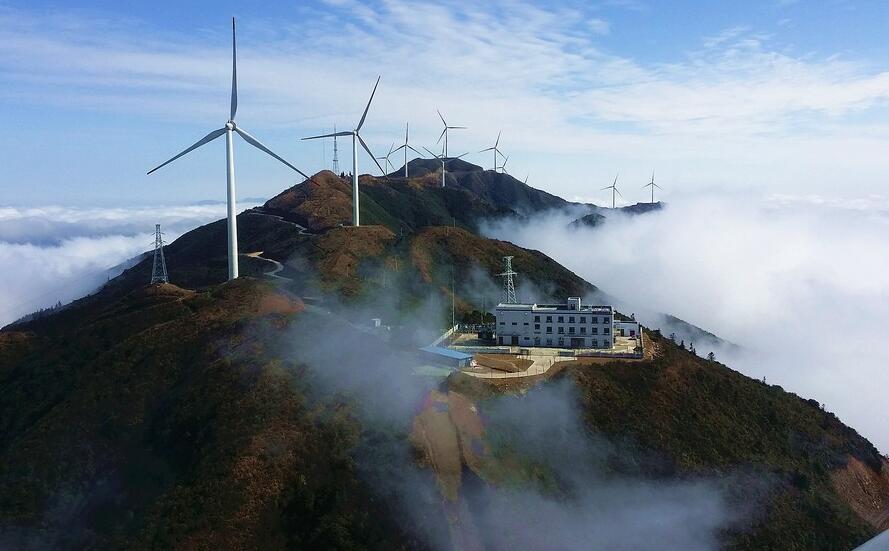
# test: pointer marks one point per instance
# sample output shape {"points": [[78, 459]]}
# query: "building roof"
{"points": [[554, 308], [447, 352]]}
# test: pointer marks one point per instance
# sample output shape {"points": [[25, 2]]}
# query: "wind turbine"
{"points": [[230, 128], [355, 139], [386, 158], [652, 185], [444, 160], [444, 133], [613, 188], [503, 166], [495, 150], [406, 145]]}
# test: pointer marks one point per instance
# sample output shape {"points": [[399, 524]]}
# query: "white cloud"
{"points": [[50, 254], [739, 100], [599, 26], [799, 283]]}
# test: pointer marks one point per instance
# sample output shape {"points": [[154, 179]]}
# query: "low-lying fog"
{"points": [[800, 283]]}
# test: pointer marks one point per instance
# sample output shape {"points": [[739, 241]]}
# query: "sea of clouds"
{"points": [[57, 254], [801, 283]]}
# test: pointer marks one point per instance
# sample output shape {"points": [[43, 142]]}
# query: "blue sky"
{"points": [[790, 97]]}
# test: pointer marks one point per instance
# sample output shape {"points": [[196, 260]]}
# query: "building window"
{"points": [[595, 330], [561, 341], [526, 323], [606, 331], [549, 342], [561, 330], [583, 330], [502, 323], [570, 319], [582, 319], [561, 319], [549, 329], [537, 327], [549, 319], [632, 333], [606, 321], [536, 319], [594, 320], [571, 330], [595, 343], [515, 323]]}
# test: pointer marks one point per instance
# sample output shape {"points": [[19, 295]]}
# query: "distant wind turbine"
{"points": [[444, 161], [495, 150], [444, 133], [503, 166], [386, 159], [227, 130], [355, 139], [406, 145], [613, 188], [652, 185]]}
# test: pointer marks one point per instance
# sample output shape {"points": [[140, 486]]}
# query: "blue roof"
{"points": [[446, 352]]}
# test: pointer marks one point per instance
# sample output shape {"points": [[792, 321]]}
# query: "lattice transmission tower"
{"points": [[336, 160], [159, 272], [508, 284]]}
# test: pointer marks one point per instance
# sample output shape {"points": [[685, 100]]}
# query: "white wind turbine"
{"points": [[444, 161], [503, 166], [386, 159], [495, 150], [355, 139], [652, 185], [613, 188], [444, 133], [406, 145], [230, 128]]}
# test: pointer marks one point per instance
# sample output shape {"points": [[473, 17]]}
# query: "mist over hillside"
{"points": [[778, 276]]}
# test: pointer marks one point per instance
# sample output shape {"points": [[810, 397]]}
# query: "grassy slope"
{"points": [[162, 420], [705, 417]]}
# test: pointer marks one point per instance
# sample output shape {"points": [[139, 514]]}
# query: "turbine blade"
{"points": [[489, 149], [657, 186], [399, 148], [604, 188], [255, 143], [431, 153], [364, 145], [234, 108], [442, 134], [618, 192], [391, 150], [498, 140], [415, 151], [329, 135], [442, 118], [458, 127], [406, 128], [364, 115], [206, 139]]}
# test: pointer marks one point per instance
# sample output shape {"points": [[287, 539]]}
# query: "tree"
{"points": [[711, 356], [691, 348], [673, 337], [682, 344]]}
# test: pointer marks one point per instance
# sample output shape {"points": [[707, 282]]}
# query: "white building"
{"points": [[570, 325]]}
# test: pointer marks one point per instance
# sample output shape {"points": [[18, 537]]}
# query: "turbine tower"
{"points": [[508, 284], [495, 150], [228, 130], [159, 270], [444, 161], [356, 138], [336, 160], [444, 133], [613, 188], [652, 185], [406, 145]]}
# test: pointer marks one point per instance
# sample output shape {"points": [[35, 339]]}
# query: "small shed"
{"points": [[446, 357]]}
